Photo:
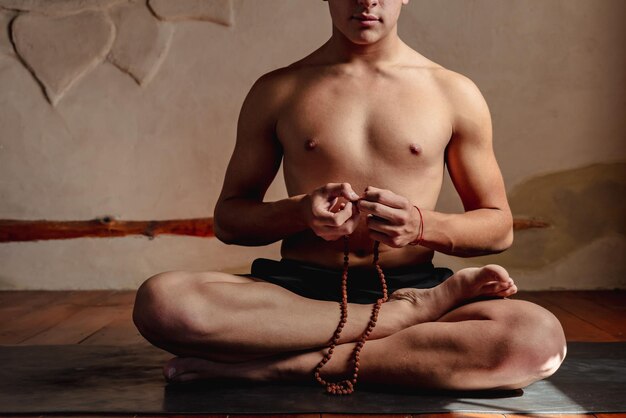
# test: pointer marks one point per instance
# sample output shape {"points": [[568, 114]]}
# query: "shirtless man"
{"points": [[365, 126]]}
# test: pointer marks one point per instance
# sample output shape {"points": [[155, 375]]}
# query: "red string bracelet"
{"points": [[420, 234]]}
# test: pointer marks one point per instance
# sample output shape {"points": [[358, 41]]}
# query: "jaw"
{"points": [[365, 39]]}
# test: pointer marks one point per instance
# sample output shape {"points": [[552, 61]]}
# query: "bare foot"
{"points": [[427, 305], [186, 369]]}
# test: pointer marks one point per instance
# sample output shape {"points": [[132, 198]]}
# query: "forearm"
{"points": [[473, 233], [249, 222]]}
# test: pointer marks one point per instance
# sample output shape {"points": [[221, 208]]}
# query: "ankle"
{"points": [[395, 316]]}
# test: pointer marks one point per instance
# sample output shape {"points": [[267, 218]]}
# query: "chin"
{"points": [[364, 38], [364, 41]]}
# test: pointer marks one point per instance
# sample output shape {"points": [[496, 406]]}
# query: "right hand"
{"points": [[324, 219]]}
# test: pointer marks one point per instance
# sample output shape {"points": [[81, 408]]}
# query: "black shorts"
{"points": [[316, 282]]}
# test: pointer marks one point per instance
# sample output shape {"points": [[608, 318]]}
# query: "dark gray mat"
{"points": [[102, 379]]}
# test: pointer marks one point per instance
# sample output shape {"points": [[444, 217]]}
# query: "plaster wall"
{"points": [[137, 121]]}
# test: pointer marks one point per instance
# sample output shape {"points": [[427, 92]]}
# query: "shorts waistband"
{"points": [[392, 271]]}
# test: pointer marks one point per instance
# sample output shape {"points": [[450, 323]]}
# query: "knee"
{"points": [[534, 345], [152, 311]]}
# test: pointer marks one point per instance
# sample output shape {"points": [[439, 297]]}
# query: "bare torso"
{"points": [[386, 127]]}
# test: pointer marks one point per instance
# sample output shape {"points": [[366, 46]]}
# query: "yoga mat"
{"points": [[106, 379]]}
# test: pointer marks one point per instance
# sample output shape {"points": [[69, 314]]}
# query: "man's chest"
{"points": [[390, 122]]}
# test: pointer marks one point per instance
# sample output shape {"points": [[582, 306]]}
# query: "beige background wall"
{"points": [[106, 109]]}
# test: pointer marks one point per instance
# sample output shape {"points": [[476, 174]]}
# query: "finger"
{"points": [[331, 205], [351, 224], [377, 236], [340, 189], [340, 217], [382, 211], [330, 233], [343, 225], [386, 197], [381, 225], [394, 236]]}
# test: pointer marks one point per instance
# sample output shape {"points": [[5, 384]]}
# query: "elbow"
{"points": [[223, 237], [506, 237], [504, 243], [500, 240], [221, 233]]}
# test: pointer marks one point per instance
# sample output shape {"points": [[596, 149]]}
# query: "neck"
{"points": [[384, 51]]}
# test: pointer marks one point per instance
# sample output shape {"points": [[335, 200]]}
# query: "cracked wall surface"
{"points": [[128, 108]]}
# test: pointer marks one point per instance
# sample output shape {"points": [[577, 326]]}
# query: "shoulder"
{"points": [[277, 86], [270, 86], [461, 93], [268, 96], [453, 86]]}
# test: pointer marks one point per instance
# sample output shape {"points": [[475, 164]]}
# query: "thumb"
{"points": [[350, 194]]}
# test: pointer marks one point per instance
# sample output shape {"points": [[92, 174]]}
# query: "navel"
{"points": [[310, 144], [416, 149]]}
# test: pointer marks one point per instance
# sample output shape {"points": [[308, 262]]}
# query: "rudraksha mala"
{"points": [[346, 387]]}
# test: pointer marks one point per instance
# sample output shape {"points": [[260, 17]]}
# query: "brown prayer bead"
{"points": [[346, 387]]}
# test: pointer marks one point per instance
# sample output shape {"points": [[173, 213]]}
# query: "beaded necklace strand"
{"points": [[346, 387]]}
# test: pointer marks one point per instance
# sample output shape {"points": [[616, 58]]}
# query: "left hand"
{"points": [[391, 218]]}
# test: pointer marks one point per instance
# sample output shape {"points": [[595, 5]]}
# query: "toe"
{"points": [[495, 287], [169, 370], [186, 377], [510, 291], [498, 269]]}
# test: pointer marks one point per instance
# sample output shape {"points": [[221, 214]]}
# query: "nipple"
{"points": [[416, 149], [310, 144]]}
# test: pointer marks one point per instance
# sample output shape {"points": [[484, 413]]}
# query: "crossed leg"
{"points": [[258, 331]]}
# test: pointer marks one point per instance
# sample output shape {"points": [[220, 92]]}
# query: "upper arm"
{"points": [[470, 157], [258, 153]]}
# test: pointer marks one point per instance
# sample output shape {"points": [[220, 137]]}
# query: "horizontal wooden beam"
{"points": [[524, 223], [19, 230]]}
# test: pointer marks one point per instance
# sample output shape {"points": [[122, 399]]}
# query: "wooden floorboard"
{"points": [[79, 326], [86, 320], [614, 299], [593, 310], [16, 303], [575, 328], [120, 331], [15, 329]]}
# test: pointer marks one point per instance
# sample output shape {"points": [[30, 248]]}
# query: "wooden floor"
{"points": [[104, 318]]}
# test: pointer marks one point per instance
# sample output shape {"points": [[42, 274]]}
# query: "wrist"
{"points": [[304, 210], [420, 227]]}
